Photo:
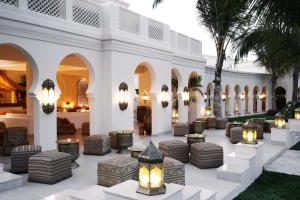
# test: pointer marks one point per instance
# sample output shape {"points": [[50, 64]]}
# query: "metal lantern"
{"points": [[205, 97], [145, 97], [249, 133], [279, 120], [164, 96], [186, 96], [151, 172], [297, 113], [242, 96], [223, 96], [48, 96], [123, 96], [207, 111]]}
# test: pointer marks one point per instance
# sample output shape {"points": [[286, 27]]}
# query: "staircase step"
{"points": [[235, 173], [10, 181], [239, 159], [191, 193], [92, 193], [207, 194], [63, 195]]}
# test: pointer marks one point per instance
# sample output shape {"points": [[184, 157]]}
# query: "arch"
{"points": [[246, 99], [176, 87], [227, 100], [237, 100], [255, 99], [152, 73], [264, 99]]}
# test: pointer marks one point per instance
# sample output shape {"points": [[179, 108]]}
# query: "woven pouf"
{"points": [[117, 170], [258, 121], [181, 129], [211, 123], [176, 149], [206, 155], [20, 156], [268, 124], [230, 125], [85, 128], [49, 167], [97, 145], [221, 123], [236, 134], [259, 132], [174, 171], [114, 139]]}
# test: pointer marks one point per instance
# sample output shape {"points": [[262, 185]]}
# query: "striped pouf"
{"points": [[206, 155], [176, 149], [236, 135], [49, 167], [174, 171], [181, 129], [20, 156]]}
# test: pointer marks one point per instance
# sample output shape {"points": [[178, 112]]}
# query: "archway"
{"points": [[194, 86], [263, 98], [175, 84], [73, 109], [143, 99], [227, 100], [18, 74], [246, 99], [255, 98], [237, 100]]}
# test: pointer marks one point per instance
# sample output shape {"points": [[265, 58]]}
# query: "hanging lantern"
{"points": [[223, 96], [48, 96], [279, 120], [297, 113], [207, 111], [164, 96], [123, 96], [249, 133], [145, 97], [186, 96], [151, 171]]}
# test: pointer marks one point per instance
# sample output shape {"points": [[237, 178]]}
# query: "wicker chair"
{"points": [[13, 137], [64, 126]]}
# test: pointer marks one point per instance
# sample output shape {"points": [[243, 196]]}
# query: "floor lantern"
{"points": [[249, 133], [151, 172], [48, 96], [297, 113], [279, 120]]}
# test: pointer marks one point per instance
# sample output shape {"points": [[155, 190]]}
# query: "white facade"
{"points": [[112, 41]]}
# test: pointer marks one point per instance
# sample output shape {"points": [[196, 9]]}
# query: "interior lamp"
{"points": [[186, 96], [123, 96], [145, 97], [48, 96], [164, 96], [223, 96], [207, 111], [249, 135], [279, 120], [151, 172], [297, 113]]}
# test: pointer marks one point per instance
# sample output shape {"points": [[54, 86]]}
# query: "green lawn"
{"points": [[245, 118], [296, 147], [273, 186]]}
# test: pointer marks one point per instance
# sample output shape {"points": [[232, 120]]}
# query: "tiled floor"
{"points": [[85, 175]]}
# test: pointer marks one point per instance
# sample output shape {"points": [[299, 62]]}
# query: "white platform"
{"points": [[294, 125], [282, 136], [10, 181], [91, 193], [1, 167], [63, 195]]}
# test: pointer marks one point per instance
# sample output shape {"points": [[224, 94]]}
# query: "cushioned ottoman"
{"points": [[236, 135], [181, 129], [258, 121], [176, 149], [230, 125], [114, 139], [49, 167], [221, 123], [117, 170], [85, 128], [259, 132], [206, 155], [20, 156], [174, 171], [268, 124], [97, 145]]}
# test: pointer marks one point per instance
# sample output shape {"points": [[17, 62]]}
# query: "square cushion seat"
{"points": [[230, 125], [181, 129], [268, 124], [114, 139], [85, 128], [221, 123], [20, 156], [206, 155], [236, 135], [174, 171], [260, 132], [49, 167], [97, 145], [176, 149], [117, 170]]}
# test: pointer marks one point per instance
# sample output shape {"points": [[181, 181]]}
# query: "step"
{"points": [[10, 181], [91, 193], [239, 159], [191, 193], [235, 173], [207, 194], [63, 195], [1, 167]]}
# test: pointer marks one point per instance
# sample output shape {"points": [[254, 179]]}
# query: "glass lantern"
{"points": [[151, 172], [207, 111], [249, 135], [297, 113], [164, 96], [48, 96], [186, 96], [123, 96], [279, 120]]}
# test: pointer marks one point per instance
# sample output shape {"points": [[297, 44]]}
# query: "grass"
{"points": [[245, 118], [273, 186], [296, 147]]}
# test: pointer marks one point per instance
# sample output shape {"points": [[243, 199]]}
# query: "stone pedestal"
{"points": [[294, 126], [282, 136]]}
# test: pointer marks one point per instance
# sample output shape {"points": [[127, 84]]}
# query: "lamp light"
{"points": [[164, 96], [223, 96], [242, 96], [68, 105], [205, 97], [262, 96], [145, 97], [249, 133], [186, 96], [123, 96], [151, 172], [297, 113], [279, 120], [207, 111], [48, 96]]}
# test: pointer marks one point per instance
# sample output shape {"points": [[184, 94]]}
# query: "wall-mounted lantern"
{"points": [[297, 113], [262, 96], [223, 96], [151, 172], [249, 133], [242, 96], [207, 111], [205, 97], [279, 120], [123, 96], [164, 96], [145, 97], [186, 96], [48, 96]]}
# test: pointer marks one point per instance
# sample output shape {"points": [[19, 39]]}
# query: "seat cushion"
{"points": [[174, 171], [176, 149], [27, 148]]}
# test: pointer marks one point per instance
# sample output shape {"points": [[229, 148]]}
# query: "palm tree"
{"points": [[195, 86]]}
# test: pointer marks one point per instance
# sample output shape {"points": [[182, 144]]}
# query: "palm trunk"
{"points": [[273, 88], [295, 82]]}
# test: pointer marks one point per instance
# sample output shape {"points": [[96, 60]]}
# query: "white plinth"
{"points": [[10, 181], [191, 192], [127, 191], [294, 125], [282, 136], [91, 193]]}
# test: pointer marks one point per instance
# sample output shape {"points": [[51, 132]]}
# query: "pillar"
{"points": [[182, 110]]}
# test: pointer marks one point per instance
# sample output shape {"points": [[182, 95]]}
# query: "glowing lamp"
{"points": [[48, 96], [68, 105], [297, 113], [262, 96], [151, 171], [123, 96], [145, 97], [207, 111], [242, 97], [186, 96], [164, 96], [249, 135], [279, 120], [223, 96], [205, 97]]}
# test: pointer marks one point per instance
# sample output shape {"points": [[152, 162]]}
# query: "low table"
{"points": [[194, 138], [135, 151], [70, 146], [125, 140]]}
